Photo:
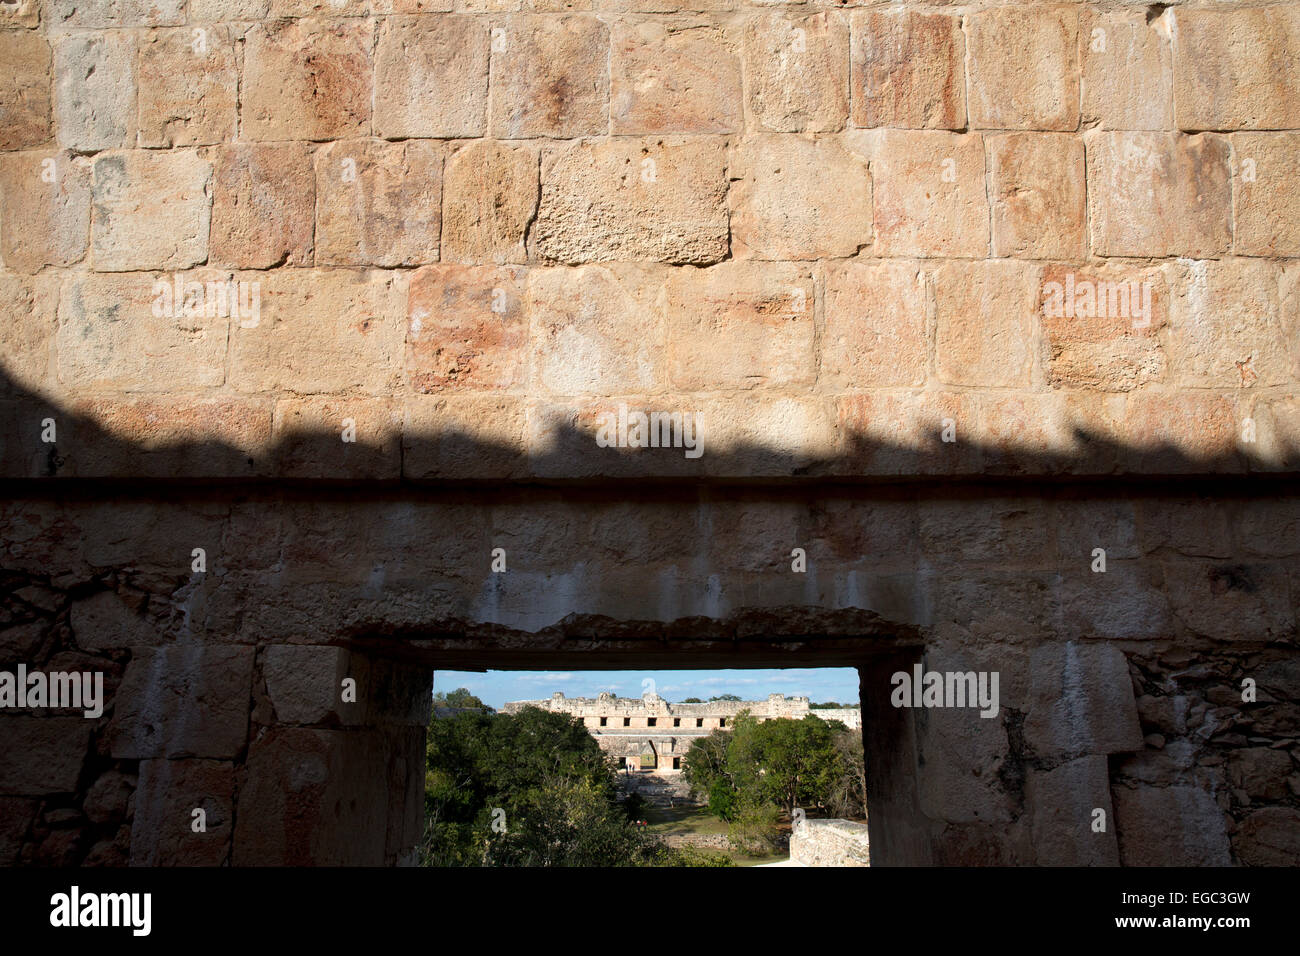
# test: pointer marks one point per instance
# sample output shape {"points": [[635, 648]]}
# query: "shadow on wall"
{"points": [[366, 439]]}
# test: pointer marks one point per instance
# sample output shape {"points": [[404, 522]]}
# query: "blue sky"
{"points": [[494, 688]]}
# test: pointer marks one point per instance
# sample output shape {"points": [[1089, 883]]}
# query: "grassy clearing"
{"points": [[697, 821]]}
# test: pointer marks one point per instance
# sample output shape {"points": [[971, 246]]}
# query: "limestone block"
{"points": [[661, 199], [119, 13], [1260, 772], [337, 438], [1081, 701], [307, 79], [740, 325], [44, 210], [1225, 329], [16, 816], [1230, 601], [464, 436], [994, 530], [798, 71], [305, 683], [183, 700], [224, 11], [799, 198], [188, 87], [490, 194], [113, 333], [322, 331], [25, 118], [151, 210], [1127, 69], [1266, 213], [431, 77], [263, 206], [95, 82], [595, 331], [876, 322], [736, 434], [673, 80], [984, 332], [960, 756], [1169, 826], [551, 78], [1037, 191], [467, 328], [378, 203], [1102, 326], [1158, 194], [169, 791], [20, 13], [1228, 71], [103, 622], [42, 755], [1127, 602], [30, 305], [908, 70], [1174, 432], [929, 192], [1024, 71], [1062, 802]]}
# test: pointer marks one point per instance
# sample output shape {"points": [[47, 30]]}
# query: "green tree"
{"points": [[458, 698]]}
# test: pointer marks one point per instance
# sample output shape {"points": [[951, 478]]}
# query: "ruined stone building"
{"points": [[344, 341], [651, 734]]}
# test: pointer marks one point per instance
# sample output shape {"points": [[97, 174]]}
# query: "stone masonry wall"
{"points": [[326, 326]]}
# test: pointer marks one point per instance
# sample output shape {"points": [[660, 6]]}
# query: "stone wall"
{"points": [[830, 843], [329, 326]]}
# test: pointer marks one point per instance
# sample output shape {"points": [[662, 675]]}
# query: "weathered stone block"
{"points": [[1037, 191], [104, 622], [307, 79], [464, 436], [183, 700], [1174, 432], [114, 334], [984, 331], [20, 13], [338, 438], [798, 71], [1269, 837], [323, 331], [736, 435], [224, 11], [95, 80], [25, 119], [1101, 326], [1170, 826], [1062, 802], [1266, 211], [673, 80], [16, 816], [1227, 72], [431, 77], [30, 304], [152, 210], [740, 325], [798, 198], [1024, 71], [305, 684], [43, 755], [263, 206], [44, 210], [663, 199], [188, 87], [929, 193], [378, 203], [908, 70], [1225, 329], [876, 325], [1127, 69], [490, 194], [1158, 194], [1081, 701], [467, 329], [168, 793], [120, 13], [1230, 600], [552, 78], [595, 331]]}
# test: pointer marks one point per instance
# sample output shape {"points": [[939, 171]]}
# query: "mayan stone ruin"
{"points": [[342, 341]]}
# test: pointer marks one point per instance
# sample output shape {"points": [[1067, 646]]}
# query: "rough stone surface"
{"points": [[263, 206], [797, 68], [25, 107], [1023, 64], [169, 793], [431, 77], [908, 70], [551, 78], [1127, 69], [1266, 211], [876, 325], [673, 81], [662, 199], [44, 210], [490, 194], [133, 192], [467, 328], [1037, 195], [187, 87], [95, 83]]}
